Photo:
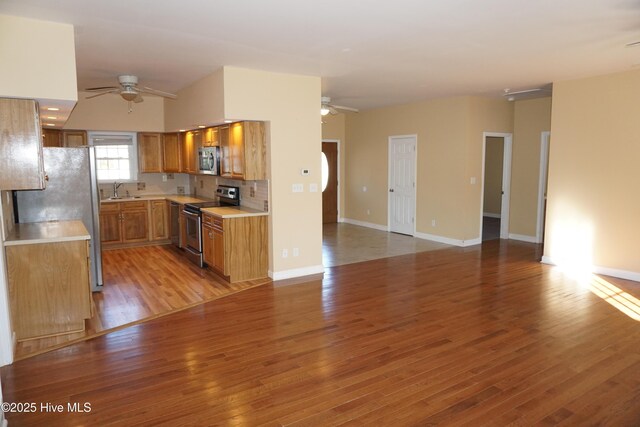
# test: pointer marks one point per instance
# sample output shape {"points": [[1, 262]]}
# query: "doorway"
{"points": [[330, 181], [402, 184], [496, 185]]}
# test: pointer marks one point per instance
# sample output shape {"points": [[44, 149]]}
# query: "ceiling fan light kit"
{"points": [[128, 90], [327, 108]]}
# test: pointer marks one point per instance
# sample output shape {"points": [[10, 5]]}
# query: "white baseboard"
{"points": [[365, 224], [523, 238], [491, 215], [613, 272], [447, 240], [296, 272]]}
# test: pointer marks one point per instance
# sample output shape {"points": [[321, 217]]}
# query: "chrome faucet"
{"points": [[115, 189]]}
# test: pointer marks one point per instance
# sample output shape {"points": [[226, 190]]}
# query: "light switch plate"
{"points": [[313, 188], [297, 188]]}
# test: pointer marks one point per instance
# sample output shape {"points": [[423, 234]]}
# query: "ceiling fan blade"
{"points": [[159, 92], [342, 107], [102, 93], [91, 89]]}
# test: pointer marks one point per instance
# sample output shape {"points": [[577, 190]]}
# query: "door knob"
{"points": [[391, 190]]}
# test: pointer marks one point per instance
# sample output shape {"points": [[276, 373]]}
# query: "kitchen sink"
{"points": [[124, 198]]}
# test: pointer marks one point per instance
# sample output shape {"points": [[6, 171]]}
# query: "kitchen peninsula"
{"points": [[53, 295]]}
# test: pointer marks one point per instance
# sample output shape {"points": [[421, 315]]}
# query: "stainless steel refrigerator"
{"points": [[71, 193]]}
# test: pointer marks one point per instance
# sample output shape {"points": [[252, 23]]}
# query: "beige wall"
{"points": [[593, 205], [449, 154], [493, 176], [333, 127], [38, 59], [201, 103], [290, 104], [531, 118], [111, 113]]}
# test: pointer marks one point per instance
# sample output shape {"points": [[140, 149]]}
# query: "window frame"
{"points": [[133, 152]]}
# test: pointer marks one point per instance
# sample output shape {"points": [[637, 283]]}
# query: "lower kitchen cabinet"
{"points": [[125, 222], [159, 220], [236, 247], [49, 288]]}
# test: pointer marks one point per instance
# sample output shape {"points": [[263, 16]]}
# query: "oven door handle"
{"points": [[195, 215]]}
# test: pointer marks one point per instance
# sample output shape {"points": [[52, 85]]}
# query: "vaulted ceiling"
{"points": [[369, 54]]}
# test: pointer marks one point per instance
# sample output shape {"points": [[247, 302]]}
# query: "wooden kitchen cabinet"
{"points": [[21, 162], [150, 153], [207, 241], [236, 247], [51, 137], [245, 156], [190, 145], [49, 288], [172, 156], [210, 138], [124, 222], [225, 151], [110, 223], [158, 220], [74, 138]]}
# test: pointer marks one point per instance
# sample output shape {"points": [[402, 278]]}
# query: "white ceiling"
{"points": [[369, 54]]}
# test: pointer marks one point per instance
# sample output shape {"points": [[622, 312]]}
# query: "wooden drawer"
{"points": [[133, 206], [207, 219], [109, 207], [217, 222]]}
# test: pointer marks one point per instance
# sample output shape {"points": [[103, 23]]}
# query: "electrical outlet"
{"points": [[201, 184], [169, 176], [180, 190], [285, 253], [141, 186], [296, 251], [164, 177], [368, 211], [473, 180], [252, 192], [313, 188], [433, 222], [364, 189]]}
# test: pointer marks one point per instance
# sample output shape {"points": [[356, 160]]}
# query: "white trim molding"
{"points": [[613, 272], [542, 183], [523, 238], [365, 224], [447, 240], [296, 272]]}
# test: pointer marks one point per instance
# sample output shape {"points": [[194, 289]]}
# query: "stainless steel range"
{"points": [[227, 196]]}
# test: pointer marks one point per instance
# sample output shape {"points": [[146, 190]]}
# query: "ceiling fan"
{"points": [[128, 90], [326, 107]]}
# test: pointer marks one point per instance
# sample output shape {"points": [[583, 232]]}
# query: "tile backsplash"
{"points": [[148, 184], [253, 194]]}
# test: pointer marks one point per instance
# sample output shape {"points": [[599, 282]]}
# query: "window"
{"points": [[325, 171], [116, 156]]}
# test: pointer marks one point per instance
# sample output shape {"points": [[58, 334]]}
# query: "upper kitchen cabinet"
{"points": [[150, 149], [21, 162], [191, 142], [171, 150], [245, 156], [210, 137], [51, 137], [74, 138]]}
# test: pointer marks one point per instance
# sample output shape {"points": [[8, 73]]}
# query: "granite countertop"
{"points": [[47, 232], [171, 197], [233, 212]]}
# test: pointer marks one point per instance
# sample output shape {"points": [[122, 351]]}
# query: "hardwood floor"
{"points": [[141, 283], [484, 335]]}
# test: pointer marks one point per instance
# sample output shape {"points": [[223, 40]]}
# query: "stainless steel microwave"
{"points": [[209, 160]]}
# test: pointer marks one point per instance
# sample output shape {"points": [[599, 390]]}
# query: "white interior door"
{"points": [[402, 184]]}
